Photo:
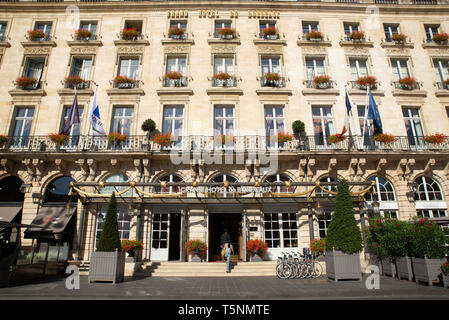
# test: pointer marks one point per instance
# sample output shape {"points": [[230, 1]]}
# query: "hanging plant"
{"points": [[117, 137], [357, 35], [436, 138], [314, 35], [398, 37], [59, 138], [83, 34], [336, 138], [269, 76], [130, 33], [36, 34], [440, 37], [164, 139], [384, 138]]}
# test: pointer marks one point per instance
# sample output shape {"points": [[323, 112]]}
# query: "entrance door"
{"points": [[165, 243], [217, 223]]}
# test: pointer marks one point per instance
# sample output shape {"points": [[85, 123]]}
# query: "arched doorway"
{"points": [[385, 196]]}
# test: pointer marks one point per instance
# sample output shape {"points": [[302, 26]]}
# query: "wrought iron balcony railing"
{"points": [[185, 36], [356, 85], [134, 38], [269, 37], [415, 86], [224, 83], [127, 85], [37, 85], [326, 85], [2, 37], [91, 38], [198, 143], [225, 36], [80, 86], [425, 2], [43, 39], [175, 82], [442, 85], [386, 1], [273, 83]]}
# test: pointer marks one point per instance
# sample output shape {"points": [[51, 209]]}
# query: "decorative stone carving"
{"points": [[356, 51], [83, 50], [401, 167], [314, 50], [409, 168], [92, 169], [446, 170], [429, 166], [60, 165], [223, 48], [137, 168], [84, 168], [352, 170], [130, 50], [398, 52], [331, 167], [177, 48], [37, 51], [7, 165], [360, 169], [302, 169], [270, 49], [311, 169], [146, 169], [380, 166]]}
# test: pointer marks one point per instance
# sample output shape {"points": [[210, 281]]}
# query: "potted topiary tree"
{"points": [[428, 248], [299, 130], [107, 263], [344, 239]]}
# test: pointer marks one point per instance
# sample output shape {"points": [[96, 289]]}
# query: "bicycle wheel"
{"points": [[283, 271], [293, 271], [308, 271], [302, 271], [317, 270]]}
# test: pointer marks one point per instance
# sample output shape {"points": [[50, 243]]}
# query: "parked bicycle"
{"points": [[294, 265]]}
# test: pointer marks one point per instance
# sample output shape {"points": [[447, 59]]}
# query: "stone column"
{"points": [[310, 216]]}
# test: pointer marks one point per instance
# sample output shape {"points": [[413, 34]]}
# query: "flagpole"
{"points": [[366, 113], [90, 124]]}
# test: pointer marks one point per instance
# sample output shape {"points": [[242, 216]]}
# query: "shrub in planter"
{"points": [[357, 35], [256, 247], [117, 137], [336, 138], [176, 32], [36, 34], [25, 82], [298, 126], [164, 139], [437, 138], [196, 248], [428, 248], [58, 138], [440, 37], [314, 35], [368, 81], [74, 80], [107, 263], [398, 37], [82, 34], [131, 246], [130, 34], [318, 246], [344, 239], [384, 138], [148, 126]]}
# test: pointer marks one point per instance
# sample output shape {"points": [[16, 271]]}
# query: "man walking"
{"points": [[226, 246]]}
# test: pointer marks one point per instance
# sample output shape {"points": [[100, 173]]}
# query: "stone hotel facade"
{"points": [[226, 130]]}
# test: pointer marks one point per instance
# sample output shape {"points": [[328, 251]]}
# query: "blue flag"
{"points": [[373, 114], [72, 118]]}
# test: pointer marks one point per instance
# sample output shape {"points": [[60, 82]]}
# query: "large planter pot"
{"points": [[196, 257], [445, 278], [427, 270], [388, 267], [377, 261], [404, 268], [107, 266], [342, 266], [255, 258]]}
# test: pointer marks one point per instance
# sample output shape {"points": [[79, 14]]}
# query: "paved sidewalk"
{"points": [[270, 288]]}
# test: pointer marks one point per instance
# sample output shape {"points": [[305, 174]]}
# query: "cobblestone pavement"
{"points": [[227, 288]]}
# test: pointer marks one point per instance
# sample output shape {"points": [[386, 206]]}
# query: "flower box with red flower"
{"points": [[83, 34], [281, 137], [314, 35], [26, 82], [130, 34], [58, 138], [256, 247], [123, 82], [336, 138], [117, 137], [164, 139], [224, 140], [226, 33], [440, 37], [322, 81], [365, 82], [75, 81], [131, 246], [3, 140], [384, 138], [222, 76], [270, 33], [36, 35], [399, 37], [176, 32], [196, 248], [269, 76], [173, 75], [436, 139], [357, 35], [407, 82]]}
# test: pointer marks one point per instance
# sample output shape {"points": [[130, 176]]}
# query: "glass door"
{"points": [[413, 126], [173, 123], [22, 127], [160, 236]]}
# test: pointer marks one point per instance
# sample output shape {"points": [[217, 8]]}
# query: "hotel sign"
{"points": [[212, 14]]}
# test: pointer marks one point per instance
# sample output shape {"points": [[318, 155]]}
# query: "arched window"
{"points": [[123, 218], [385, 196], [58, 190], [321, 193], [10, 189], [279, 178], [429, 200], [170, 189], [225, 192]]}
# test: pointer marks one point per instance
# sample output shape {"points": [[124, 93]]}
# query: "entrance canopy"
{"points": [[52, 222], [8, 213]]}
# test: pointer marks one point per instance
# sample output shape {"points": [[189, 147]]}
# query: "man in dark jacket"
{"points": [[225, 238]]}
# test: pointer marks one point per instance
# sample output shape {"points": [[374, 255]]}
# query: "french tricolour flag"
{"points": [[348, 109]]}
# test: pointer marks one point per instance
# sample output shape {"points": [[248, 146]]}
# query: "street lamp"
{"points": [[376, 209], [319, 209]]}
